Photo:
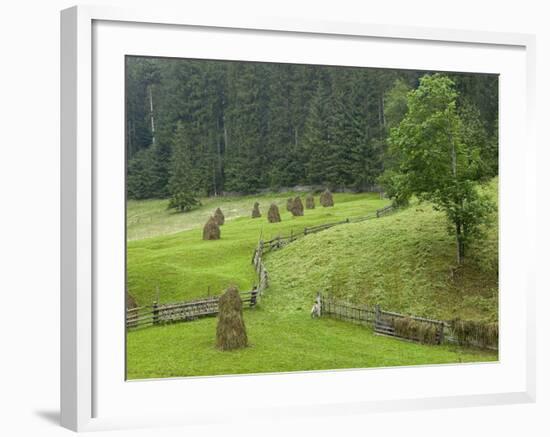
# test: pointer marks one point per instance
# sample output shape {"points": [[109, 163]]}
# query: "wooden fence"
{"points": [[159, 314], [156, 314], [282, 240], [383, 322]]}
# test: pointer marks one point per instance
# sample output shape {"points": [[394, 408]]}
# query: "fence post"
{"points": [[320, 303], [441, 333], [155, 313], [377, 313]]}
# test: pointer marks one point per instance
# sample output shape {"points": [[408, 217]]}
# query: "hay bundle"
{"points": [[310, 201], [130, 301], [470, 332], [326, 199], [256, 210], [273, 215], [407, 327], [297, 208], [219, 217], [289, 203], [211, 230], [230, 332]]}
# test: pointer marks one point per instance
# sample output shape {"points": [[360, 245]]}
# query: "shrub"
{"points": [[470, 332], [423, 332]]}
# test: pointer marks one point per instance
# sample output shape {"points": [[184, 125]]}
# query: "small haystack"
{"points": [[326, 198], [289, 203], [256, 210], [310, 201], [219, 217], [211, 230], [273, 215], [297, 207], [231, 332], [130, 301]]}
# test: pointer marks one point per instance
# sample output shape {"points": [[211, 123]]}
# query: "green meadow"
{"points": [[404, 262]]}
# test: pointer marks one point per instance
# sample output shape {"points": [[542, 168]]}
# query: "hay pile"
{"points": [[409, 328], [230, 332], [289, 203], [326, 199], [130, 301], [310, 201], [211, 230], [273, 215], [297, 208], [256, 210], [219, 217], [470, 332]]}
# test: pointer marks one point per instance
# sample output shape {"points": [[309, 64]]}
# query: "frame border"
{"points": [[77, 196]]}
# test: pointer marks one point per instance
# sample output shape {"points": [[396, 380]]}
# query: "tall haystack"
{"points": [[326, 198], [297, 207], [211, 230], [310, 201], [231, 332], [256, 210], [219, 217], [289, 203], [273, 215]]}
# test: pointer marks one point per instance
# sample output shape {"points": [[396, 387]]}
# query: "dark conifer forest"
{"points": [[215, 127]]}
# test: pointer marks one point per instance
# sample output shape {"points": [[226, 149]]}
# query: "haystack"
{"points": [[326, 199], [211, 230], [231, 332], [310, 201], [297, 207], [219, 217], [289, 203], [130, 301], [273, 215], [256, 210]]}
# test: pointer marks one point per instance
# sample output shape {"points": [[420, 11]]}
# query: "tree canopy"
{"points": [[246, 126]]}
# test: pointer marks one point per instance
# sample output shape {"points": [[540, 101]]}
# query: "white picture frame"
{"points": [[92, 387]]}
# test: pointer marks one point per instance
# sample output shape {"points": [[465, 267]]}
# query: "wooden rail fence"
{"points": [[156, 314]]}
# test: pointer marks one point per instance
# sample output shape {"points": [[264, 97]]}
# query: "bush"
{"points": [[470, 332], [183, 201], [423, 332]]}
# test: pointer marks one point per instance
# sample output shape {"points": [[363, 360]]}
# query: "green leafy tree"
{"points": [[438, 162], [182, 183]]}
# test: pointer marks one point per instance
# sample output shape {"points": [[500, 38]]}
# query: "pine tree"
{"points": [[182, 184]]}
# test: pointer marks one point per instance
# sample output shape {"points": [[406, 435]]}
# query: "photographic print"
{"points": [[288, 217]]}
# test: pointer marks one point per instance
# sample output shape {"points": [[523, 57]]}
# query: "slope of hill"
{"points": [[404, 262]]}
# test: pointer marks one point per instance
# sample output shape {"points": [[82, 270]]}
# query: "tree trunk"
{"points": [[151, 113], [460, 248]]}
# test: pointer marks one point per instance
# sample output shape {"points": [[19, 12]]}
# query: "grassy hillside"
{"points": [[183, 266], [401, 261], [404, 262]]}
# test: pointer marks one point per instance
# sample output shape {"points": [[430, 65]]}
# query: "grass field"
{"points": [[401, 261]]}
